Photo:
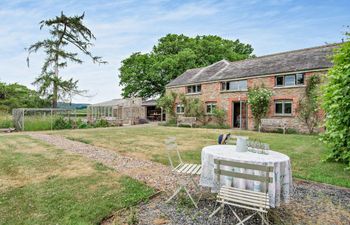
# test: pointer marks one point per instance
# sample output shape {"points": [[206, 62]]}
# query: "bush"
{"points": [[220, 116], [80, 124], [336, 102], [62, 123], [101, 123], [83, 126]]}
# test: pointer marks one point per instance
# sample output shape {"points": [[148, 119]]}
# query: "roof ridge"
{"points": [[201, 69], [222, 69], [291, 51]]}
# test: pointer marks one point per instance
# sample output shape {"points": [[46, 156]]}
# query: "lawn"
{"points": [[306, 151], [40, 184]]}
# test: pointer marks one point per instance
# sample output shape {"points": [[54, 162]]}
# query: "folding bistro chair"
{"points": [[256, 201], [182, 168]]}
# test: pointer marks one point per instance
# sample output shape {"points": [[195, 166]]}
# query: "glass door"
{"points": [[239, 115]]}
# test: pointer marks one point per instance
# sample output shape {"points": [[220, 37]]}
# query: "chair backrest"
{"points": [[264, 171], [171, 146]]}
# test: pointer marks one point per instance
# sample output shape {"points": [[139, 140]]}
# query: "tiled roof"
{"points": [[152, 102], [291, 61], [113, 102]]}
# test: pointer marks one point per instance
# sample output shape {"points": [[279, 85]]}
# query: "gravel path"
{"points": [[311, 203], [153, 174]]}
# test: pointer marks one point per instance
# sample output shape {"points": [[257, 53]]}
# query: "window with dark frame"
{"points": [[240, 85], [211, 106], [194, 89], [289, 80], [299, 78], [180, 109], [279, 80], [283, 107]]}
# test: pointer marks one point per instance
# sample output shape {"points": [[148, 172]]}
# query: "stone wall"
{"points": [[211, 92]]}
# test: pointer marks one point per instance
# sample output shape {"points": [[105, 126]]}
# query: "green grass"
{"points": [[40, 184], [36, 123], [306, 151], [5, 120], [31, 123]]}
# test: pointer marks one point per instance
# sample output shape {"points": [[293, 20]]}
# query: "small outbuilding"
{"points": [[153, 113], [125, 111]]}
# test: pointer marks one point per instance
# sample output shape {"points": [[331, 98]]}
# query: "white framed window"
{"points": [[289, 80], [180, 109], [210, 107], [283, 107], [194, 89], [240, 85]]}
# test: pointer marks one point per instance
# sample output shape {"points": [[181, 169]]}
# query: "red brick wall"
{"points": [[211, 92]]}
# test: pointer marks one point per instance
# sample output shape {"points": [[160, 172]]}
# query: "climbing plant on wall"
{"points": [[308, 105], [168, 103], [259, 101]]}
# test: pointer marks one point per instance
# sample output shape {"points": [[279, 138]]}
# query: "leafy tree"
{"points": [[336, 103], [145, 75], [259, 101], [64, 32], [19, 96], [168, 103], [308, 106]]}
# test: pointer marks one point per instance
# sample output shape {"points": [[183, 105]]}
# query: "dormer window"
{"points": [[194, 89]]}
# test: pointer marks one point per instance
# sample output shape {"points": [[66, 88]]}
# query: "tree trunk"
{"points": [[55, 84], [54, 95]]}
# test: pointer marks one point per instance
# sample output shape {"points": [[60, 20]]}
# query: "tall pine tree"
{"points": [[64, 32]]}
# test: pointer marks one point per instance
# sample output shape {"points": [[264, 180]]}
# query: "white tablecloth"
{"points": [[279, 190]]}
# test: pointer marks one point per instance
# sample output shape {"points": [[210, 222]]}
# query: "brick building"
{"points": [[224, 84]]}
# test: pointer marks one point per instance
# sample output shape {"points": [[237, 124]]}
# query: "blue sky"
{"points": [[123, 27]]}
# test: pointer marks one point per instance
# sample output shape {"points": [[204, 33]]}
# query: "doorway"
{"points": [[239, 115]]}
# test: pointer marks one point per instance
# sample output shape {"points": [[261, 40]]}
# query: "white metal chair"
{"points": [[251, 200], [190, 170]]}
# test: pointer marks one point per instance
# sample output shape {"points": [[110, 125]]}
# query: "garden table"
{"points": [[279, 190]]}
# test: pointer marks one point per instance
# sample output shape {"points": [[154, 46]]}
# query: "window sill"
{"points": [[197, 93], [283, 115], [223, 92], [286, 87]]}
